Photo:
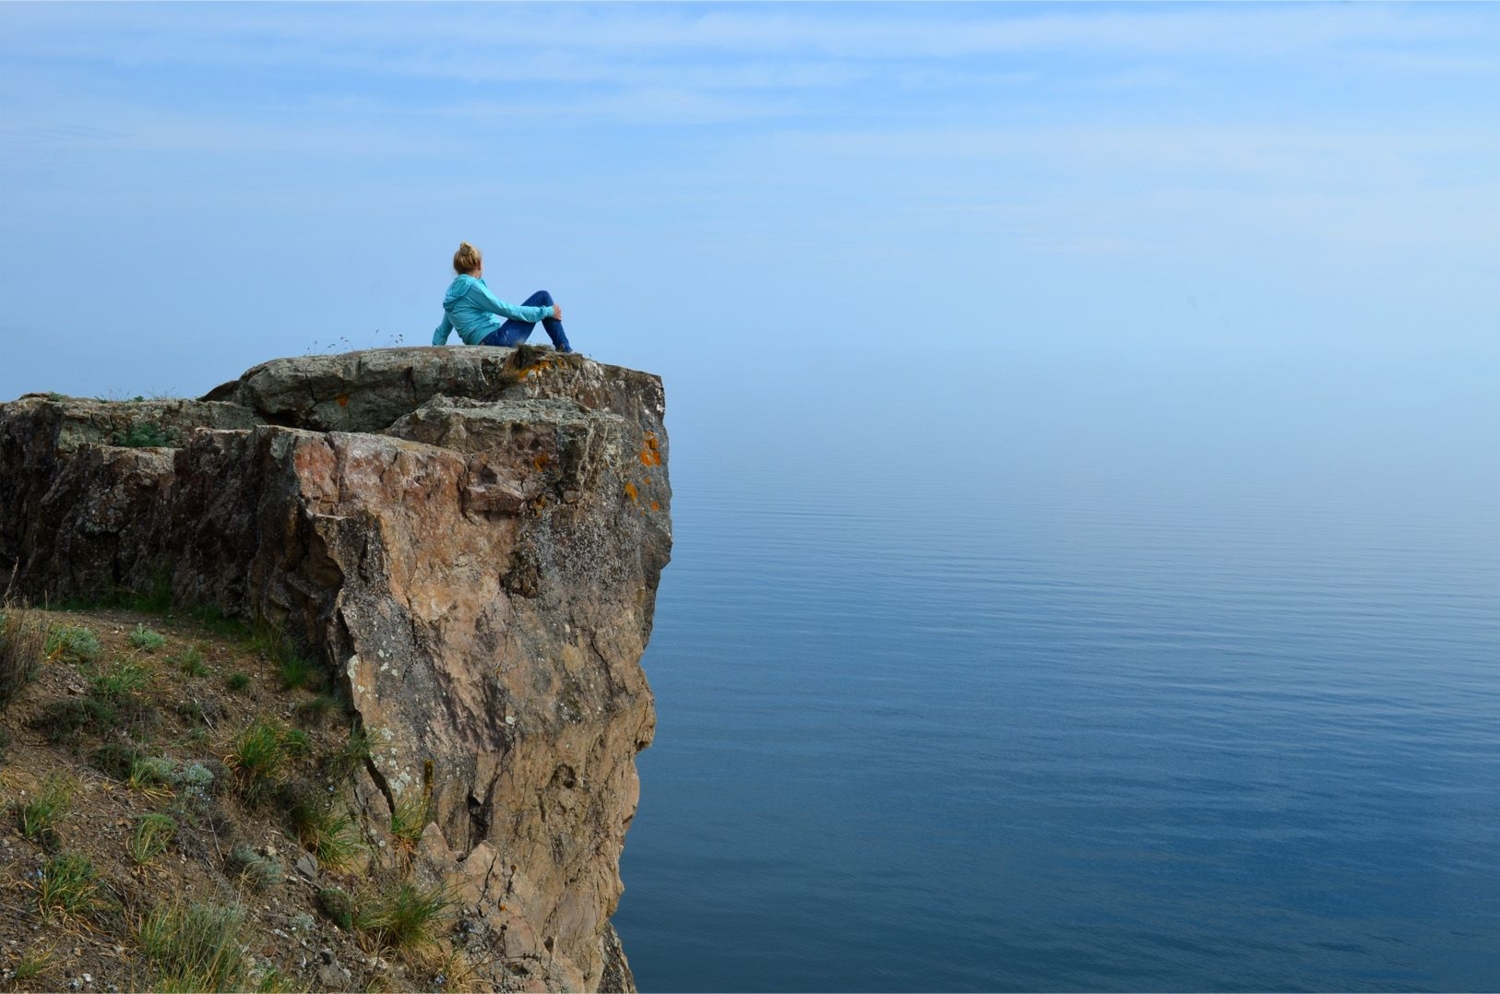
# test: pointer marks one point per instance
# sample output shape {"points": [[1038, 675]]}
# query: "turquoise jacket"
{"points": [[470, 309]]}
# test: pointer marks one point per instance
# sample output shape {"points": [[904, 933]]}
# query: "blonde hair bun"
{"points": [[466, 259]]}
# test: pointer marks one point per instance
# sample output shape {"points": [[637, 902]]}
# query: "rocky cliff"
{"points": [[471, 538]]}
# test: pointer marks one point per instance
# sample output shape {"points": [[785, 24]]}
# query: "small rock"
{"points": [[307, 865], [333, 977]]}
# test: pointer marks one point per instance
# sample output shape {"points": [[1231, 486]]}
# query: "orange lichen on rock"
{"points": [[631, 491], [651, 451], [655, 506], [343, 399], [541, 460]]}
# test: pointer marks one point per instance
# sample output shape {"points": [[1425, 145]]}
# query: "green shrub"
{"points": [[337, 844], [149, 772], [67, 889], [409, 817], [153, 833], [155, 597], [402, 916], [338, 904], [296, 741], [145, 435], [65, 720], [273, 981], [39, 817], [315, 710], [195, 776], [34, 960], [147, 640], [219, 623], [120, 680], [73, 644], [349, 759], [264, 639], [237, 681], [328, 835], [112, 704], [260, 872], [190, 661], [115, 759], [261, 755], [297, 672], [195, 947], [294, 669], [195, 791]]}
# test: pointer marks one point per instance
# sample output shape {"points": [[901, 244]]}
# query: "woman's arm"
{"points": [[440, 337], [487, 301]]}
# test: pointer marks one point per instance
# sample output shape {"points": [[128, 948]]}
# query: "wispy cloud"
{"points": [[819, 44]]}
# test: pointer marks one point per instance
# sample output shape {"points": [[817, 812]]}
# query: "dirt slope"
{"points": [[147, 731]]}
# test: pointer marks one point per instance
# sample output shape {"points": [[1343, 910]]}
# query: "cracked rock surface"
{"points": [[471, 538]]}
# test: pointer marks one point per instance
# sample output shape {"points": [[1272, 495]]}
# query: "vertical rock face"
{"points": [[472, 537]]}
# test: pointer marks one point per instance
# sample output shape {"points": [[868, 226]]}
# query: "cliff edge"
{"points": [[471, 540]]}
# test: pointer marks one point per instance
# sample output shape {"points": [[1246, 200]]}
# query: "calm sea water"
{"points": [[1080, 678]]}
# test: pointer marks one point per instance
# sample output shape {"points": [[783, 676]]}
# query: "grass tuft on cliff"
{"points": [[195, 946], [67, 889], [262, 755], [404, 915], [38, 816], [23, 650], [72, 644]]}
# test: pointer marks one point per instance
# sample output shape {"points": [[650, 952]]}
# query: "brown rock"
{"points": [[472, 542]]}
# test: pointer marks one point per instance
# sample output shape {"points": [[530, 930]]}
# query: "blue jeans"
{"points": [[515, 332]]}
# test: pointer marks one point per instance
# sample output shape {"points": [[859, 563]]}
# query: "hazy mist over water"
{"points": [[1048, 674]]}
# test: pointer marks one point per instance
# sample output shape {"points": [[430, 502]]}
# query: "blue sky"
{"points": [[190, 189]]}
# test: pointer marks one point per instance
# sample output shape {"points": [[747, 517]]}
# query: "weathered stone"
{"points": [[367, 391], [472, 542], [333, 976]]}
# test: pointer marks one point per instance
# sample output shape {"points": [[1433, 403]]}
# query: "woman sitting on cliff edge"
{"points": [[470, 309]]}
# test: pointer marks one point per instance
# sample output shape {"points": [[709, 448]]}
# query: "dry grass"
{"points": [[23, 649]]}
